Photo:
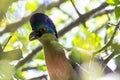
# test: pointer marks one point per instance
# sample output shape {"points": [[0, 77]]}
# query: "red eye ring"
{"points": [[42, 29]]}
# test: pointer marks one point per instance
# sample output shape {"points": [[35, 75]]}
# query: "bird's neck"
{"points": [[58, 66]]}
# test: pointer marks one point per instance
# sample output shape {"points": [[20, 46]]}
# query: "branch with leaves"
{"points": [[14, 26], [4, 5], [73, 24], [111, 39]]}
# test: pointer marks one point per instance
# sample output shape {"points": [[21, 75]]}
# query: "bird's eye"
{"points": [[42, 30]]}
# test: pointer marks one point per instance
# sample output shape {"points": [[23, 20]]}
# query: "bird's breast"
{"points": [[58, 66]]}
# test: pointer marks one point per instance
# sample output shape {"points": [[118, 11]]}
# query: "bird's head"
{"points": [[41, 24]]}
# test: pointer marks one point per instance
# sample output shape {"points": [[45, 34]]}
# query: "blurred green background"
{"points": [[83, 30]]}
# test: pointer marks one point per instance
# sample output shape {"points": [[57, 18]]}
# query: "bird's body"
{"points": [[59, 68], [57, 64]]}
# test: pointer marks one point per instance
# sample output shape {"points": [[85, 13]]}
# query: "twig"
{"points": [[105, 41], [39, 78], [66, 14], [109, 58], [28, 68], [104, 63], [108, 44], [99, 28], [28, 57], [1, 51], [4, 45], [79, 14], [103, 12]]}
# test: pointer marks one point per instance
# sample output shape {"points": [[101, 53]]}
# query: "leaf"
{"points": [[113, 2], [116, 47], [117, 60], [6, 70], [100, 20], [42, 67], [79, 55], [32, 5], [117, 12], [87, 41], [40, 56], [12, 55]]}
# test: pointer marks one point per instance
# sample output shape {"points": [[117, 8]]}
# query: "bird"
{"points": [[58, 65]]}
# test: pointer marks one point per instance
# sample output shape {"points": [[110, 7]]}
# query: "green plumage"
{"points": [[59, 68]]}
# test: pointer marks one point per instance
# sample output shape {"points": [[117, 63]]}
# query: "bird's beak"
{"points": [[32, 36]]}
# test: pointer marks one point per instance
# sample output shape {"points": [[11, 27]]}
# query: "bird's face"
{"points": [[41, 25], [41, 30]]}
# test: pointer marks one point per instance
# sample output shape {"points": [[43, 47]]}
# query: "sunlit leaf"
{"points": [[117, 12], [19, 75], [24, 73], [40, 56], [113, 2], [6, 70], [13, 55], [42, 68], [32, 5], [3, 23], [110, 31], [88, 41], [80, 55], [100, 20]]}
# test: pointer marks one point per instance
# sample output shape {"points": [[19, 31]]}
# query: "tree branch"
{"points": [[81, 19], [28, 68], [14, 26], [28, 57], [40, 78], [109, 58], [104, 12], [108, 44], [75, 8]]}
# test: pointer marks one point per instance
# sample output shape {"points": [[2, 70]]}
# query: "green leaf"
{"points": [[117, 60], [117, 12], [32, 5], [12, 55], [6, 70], [88, 41], [116, 47], [40, 56], [79, 55], [43, 68], [113, 2]]}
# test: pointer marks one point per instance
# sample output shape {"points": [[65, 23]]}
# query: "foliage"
{"points": [[84, 34], [115, 3]]}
